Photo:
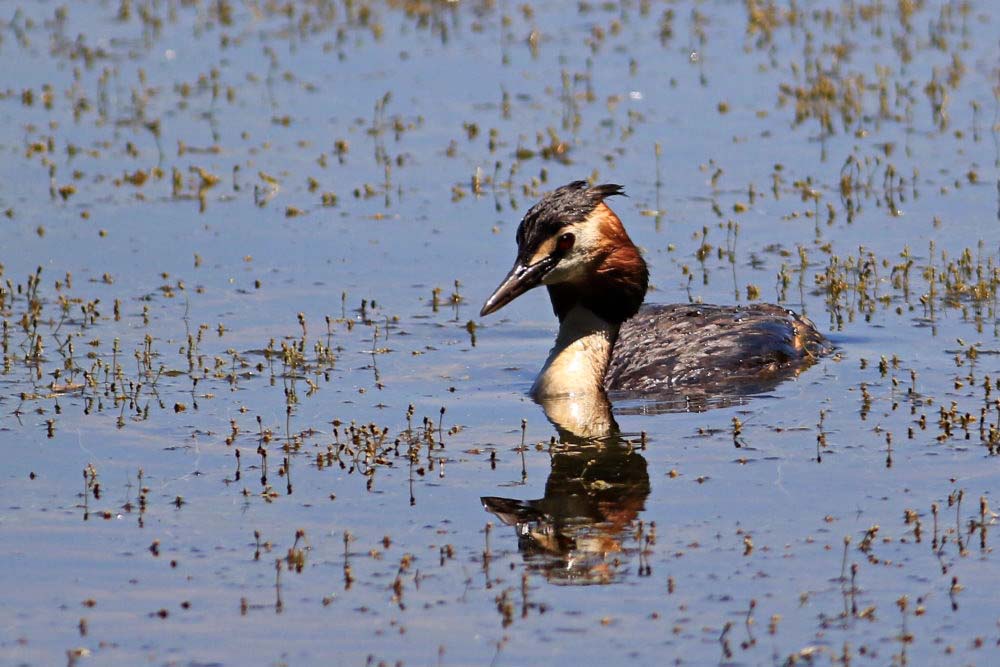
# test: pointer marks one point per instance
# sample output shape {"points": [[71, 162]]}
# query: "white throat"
{"points": [[579, 359]]}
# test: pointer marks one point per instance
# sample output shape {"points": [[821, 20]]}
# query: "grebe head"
{"points": [[574, 244]]}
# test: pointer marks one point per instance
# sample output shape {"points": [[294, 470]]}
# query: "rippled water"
{"points": [[264, 232]]}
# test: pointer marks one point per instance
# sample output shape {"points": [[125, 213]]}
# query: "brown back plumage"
{"points": [[703, 350]]}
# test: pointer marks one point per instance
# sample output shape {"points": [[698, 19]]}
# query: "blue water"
{"points": [[746, 562]]}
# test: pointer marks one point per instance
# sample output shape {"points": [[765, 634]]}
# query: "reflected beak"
{"points": [[520, 279]]}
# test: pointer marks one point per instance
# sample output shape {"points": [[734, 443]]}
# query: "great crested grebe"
{"points": [[571, 242]]}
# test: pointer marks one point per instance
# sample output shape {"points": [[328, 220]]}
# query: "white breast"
{"points": [[579, 359]]}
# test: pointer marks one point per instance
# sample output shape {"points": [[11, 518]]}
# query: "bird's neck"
{"points": [[591, 312], [579, 359]]}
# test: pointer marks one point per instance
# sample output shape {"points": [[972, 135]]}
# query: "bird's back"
{"points": [[708, 350]]}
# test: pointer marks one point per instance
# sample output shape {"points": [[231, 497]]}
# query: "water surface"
{"points": [[248, 410]]}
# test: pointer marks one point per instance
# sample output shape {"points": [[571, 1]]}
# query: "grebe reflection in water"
{"points": [[679, 356], [584, 529]]}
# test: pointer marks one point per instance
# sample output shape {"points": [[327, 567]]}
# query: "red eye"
{"points": [[565, 242]]}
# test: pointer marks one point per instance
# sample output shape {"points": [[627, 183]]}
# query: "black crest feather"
{"points": [[566, 205]]}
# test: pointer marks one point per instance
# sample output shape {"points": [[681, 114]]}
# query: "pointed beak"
{"points": [[520, 279]]}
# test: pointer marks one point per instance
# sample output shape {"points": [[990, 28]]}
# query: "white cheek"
{"points": [[577, 265], [571, 268]]}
